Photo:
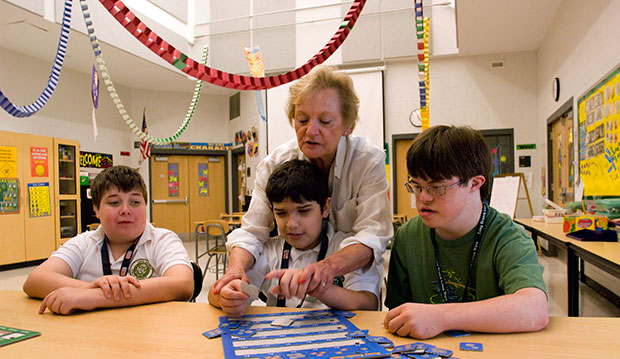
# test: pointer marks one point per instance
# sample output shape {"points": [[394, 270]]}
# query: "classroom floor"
{"points": [[591, 303]]}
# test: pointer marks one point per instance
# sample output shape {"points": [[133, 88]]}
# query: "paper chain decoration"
{"points": [[220, 78], [116, 99], [424, 112], [52, 81], [422, 33]]}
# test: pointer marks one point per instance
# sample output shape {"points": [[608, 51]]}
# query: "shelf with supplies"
{"points": [[67, 200]]}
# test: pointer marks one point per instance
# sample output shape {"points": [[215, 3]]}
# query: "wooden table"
{"points": [[174, 330], [605, 255]]}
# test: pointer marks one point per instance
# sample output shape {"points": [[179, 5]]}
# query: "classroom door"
{"points": [[185, 190], [561, 171], [404, 201]]}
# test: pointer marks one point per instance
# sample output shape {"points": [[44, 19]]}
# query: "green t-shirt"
{"points": [[507, 261]]}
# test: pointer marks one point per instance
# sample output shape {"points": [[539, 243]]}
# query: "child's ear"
{"points": [[327, 207], [477, 182], [96, 211]]}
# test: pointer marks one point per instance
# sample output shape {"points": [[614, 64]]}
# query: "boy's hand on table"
{"points": [[114, 286], [290, 284], [232, 299], [416, 320], [68, 299]]}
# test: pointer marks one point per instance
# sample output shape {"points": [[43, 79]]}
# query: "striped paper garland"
{"points": [[116, 99], [424, 115], [422, 26], [52, 81], [220, 78]]}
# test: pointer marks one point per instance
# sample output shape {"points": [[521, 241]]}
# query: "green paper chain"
{"points": [[116, 99]]}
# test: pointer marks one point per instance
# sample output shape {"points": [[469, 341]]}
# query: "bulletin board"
{"points": [[599, 149]]}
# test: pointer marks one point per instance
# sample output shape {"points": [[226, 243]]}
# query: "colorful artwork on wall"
{"points": [[173, 179]]}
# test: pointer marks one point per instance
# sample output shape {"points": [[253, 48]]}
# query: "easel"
{"points": [[527, 193]]}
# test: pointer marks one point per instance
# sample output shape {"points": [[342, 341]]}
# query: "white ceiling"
{"points": [[497, 26], [483, 27]]}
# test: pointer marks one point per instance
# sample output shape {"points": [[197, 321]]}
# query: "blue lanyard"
{"points": [[105, 257], [286, 252], [472, 260]]}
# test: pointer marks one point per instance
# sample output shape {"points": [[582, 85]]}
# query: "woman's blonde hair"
{"points": [[322, 78]]}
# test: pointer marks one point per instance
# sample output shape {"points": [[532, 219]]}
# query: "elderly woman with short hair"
{"points": [[323, 109]]}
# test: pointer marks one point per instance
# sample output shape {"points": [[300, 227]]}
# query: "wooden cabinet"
{"points": [[67, 199], [27, 188], [39, 189]]}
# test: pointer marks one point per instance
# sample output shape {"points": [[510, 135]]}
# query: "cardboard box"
{"points": [[572, 223]]}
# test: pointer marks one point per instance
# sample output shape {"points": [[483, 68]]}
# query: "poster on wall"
{"points": [[9, 195], [95, 160], [8, 161], [203, 179], [599, 150], [39, 162], [173, 179], [39, 199]]}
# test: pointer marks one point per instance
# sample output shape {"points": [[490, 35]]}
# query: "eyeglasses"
{"points": [[432, 189]]}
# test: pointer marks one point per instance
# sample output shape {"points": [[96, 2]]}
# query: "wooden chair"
{"points": [[214, 232]]}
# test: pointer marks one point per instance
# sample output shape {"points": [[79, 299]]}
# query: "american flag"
{"points": [[145, 147]]}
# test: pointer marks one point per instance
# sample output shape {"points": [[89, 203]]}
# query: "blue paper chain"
{"points": [[52, 81]]}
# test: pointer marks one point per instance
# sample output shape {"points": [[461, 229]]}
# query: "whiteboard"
{"points": [[369, 88], [505, 193]]}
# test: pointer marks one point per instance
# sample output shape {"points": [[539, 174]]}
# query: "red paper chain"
{"points": [[220, 78]]}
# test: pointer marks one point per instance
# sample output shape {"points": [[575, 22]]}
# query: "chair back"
{"points": [[216, 230], [216, 227], [198, 278]]}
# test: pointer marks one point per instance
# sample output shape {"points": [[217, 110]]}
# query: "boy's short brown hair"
{"points": [[441, 152], [124, 178]]}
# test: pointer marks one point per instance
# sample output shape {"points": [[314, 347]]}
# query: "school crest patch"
{"points": [[141, 269]]}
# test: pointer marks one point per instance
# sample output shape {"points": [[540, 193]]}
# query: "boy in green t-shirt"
{"points": [[460, 264]]}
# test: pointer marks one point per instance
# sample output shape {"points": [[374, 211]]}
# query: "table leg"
{"points": [[582, 272], [573, 282]]}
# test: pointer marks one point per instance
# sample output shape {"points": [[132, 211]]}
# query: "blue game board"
{"points": [[312, 334]]}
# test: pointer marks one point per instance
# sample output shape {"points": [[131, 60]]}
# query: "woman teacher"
{"points": [[323, 109]]}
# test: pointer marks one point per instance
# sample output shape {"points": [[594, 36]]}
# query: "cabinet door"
{"points": [[67, 196], [39, 189], [12, 238]]}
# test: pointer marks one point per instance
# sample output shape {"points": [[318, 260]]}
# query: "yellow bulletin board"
{"points": [[599, 149]]}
